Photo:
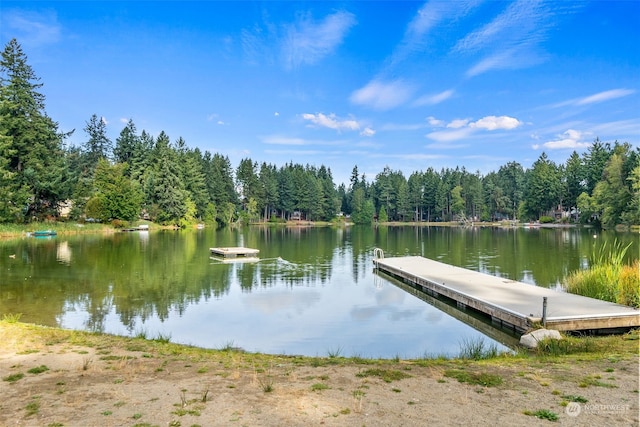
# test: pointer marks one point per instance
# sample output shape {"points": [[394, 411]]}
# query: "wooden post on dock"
{"points": [[544, 311]]}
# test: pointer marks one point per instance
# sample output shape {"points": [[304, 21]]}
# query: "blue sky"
{"points": [[409, 85]]}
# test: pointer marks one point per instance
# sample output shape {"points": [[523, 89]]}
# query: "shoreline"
{"points": [[56, 377]]}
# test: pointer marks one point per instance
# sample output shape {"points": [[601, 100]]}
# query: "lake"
{"points": [[312, 293]]}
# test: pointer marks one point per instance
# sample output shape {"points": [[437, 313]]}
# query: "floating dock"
{"points": [[235, 252], [508, 302]]}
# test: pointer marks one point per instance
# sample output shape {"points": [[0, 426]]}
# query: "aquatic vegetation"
{"points": [[608, 277]]}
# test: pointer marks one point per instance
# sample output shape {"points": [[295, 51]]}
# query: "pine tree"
{"points": [[33, 170]]}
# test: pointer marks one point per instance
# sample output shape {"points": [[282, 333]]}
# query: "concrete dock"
{"points": [[507, 301]]}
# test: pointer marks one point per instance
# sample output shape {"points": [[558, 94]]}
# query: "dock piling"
{"points": [[544, 311]]}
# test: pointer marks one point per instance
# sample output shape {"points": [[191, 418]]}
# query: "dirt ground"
{"points": [[126, 382]]}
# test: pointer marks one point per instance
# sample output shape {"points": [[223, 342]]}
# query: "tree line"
{"points": [[144, 176]]}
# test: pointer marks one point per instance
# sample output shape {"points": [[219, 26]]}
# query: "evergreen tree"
{"points": [[170, 196], [126, 144], [98, 146], [31, 154], [543, 189]]}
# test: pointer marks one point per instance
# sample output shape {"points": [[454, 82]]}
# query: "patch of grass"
{"points": [[32, 407], [483, 378], [142, 334], [163, 338], [319, 387], [28, 351], [11, 317], [476, 349], [184, 411], [55, 425], [387, 375], [115, 357], [574, 398], [544, 414], [106, 413], [38, 369], [13, 377], [334, 352], [203, 370], [594, 380], [136, 416]]}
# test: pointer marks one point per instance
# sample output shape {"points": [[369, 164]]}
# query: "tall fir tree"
{"points": [[31, 157]]}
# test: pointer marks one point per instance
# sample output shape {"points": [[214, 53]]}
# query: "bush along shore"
{"points": [[55, 377]]}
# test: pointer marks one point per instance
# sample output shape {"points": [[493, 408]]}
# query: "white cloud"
{"points": [[434, 99], [382, 95], [570, 139], [435, 122], [457, 123], [331, 121], [464, 128], [307, 42], [276, 114], [367, 132], [493, 123]]}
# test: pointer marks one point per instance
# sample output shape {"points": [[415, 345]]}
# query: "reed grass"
{"points": [[608, 277]]}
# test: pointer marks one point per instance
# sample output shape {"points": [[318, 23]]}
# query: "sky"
{"points": [[401, 84]]}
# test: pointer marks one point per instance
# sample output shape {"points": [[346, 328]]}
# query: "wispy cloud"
{"points": [[33, 29], [282, 140], [606, 95], [307, 41], [293, 141], [381, 95], [512, 39], [434, 98], [428, 17]]}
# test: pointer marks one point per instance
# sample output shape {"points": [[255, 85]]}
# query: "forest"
{"points": [[141, 176]]}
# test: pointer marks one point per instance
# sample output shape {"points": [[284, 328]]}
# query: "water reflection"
{"points": [[312, 290]]}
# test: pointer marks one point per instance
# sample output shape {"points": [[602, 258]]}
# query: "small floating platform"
{"points": [[40, 233], [143, 227], [509, 302], [234, 252]]}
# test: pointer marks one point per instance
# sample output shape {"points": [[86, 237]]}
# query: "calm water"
{"points": [[313, 292]]}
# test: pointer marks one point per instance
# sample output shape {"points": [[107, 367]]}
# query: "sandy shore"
{"points": [[52, 377]]}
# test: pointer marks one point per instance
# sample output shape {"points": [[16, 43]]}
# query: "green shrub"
{"points": [[545, 219]]}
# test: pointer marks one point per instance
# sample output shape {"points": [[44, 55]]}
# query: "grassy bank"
{"points": [[26, 337], [608, 278]]}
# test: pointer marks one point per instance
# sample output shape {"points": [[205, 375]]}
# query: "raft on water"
{"points": [[235, 253]]}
